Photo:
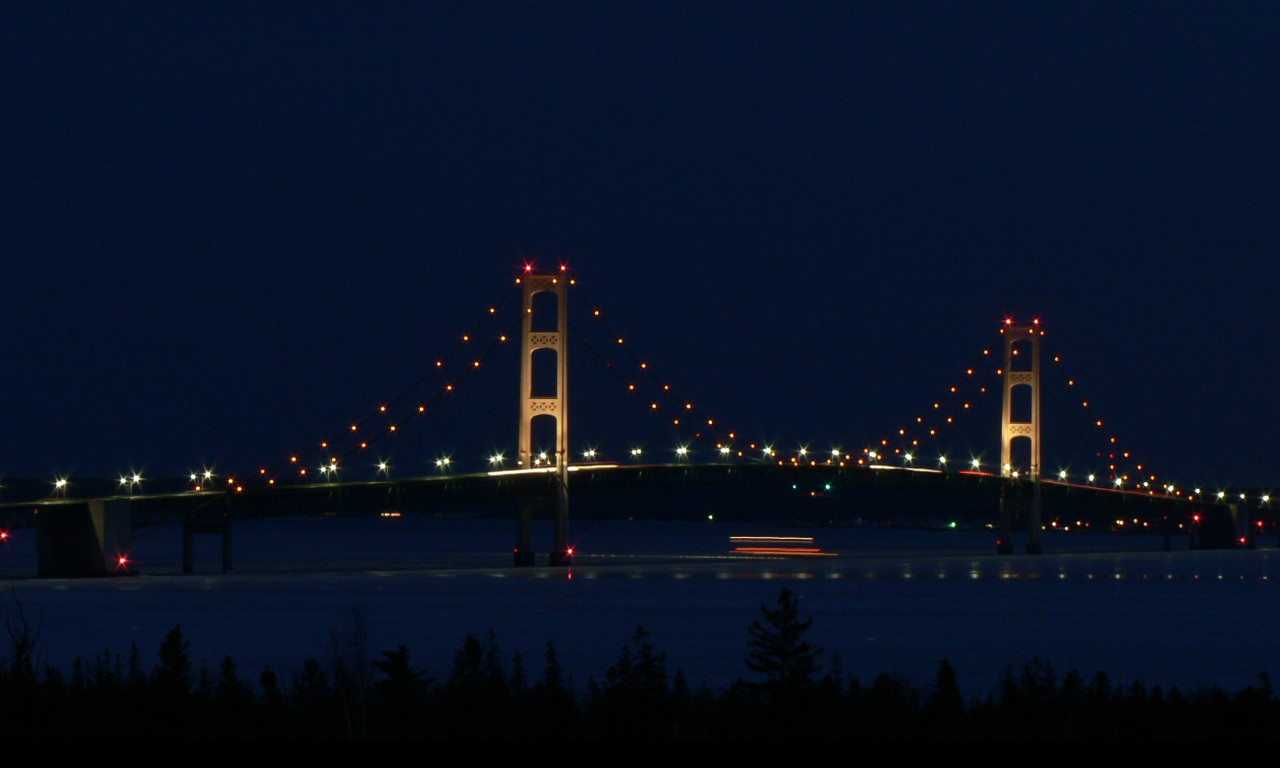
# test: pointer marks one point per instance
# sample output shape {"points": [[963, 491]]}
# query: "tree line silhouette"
{"points": [[353, 694]]}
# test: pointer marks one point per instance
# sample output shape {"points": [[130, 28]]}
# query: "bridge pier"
{"points": [[220, 526], [1004, 544], [561, 553], [1035, 524], [1011, 501], [1240, 516], [524, 534], [190, 528], [83, 539]]}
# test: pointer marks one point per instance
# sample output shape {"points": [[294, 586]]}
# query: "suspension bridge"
{"points": [[83, 528]]}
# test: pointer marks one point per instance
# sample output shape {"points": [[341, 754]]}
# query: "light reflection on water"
{"points": [[892, 601]]}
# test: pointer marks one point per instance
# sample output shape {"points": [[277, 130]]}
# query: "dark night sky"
{"points": [[230, 229]]}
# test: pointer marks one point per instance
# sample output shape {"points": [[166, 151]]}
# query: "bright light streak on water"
{"points": [[893, 601]]}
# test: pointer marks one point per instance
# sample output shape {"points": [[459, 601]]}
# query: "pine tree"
{"points": [[172, 675], [777, 648]]}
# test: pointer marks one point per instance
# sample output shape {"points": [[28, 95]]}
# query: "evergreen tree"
{"points": [[553, 707], [945, 707], [172, 675], [169, 689], [401, 695], [553, 680], [476, 697], [635, 701], [778, 650]]}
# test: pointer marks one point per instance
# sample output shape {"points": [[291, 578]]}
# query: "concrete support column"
{"points": [[191, 528], [1034, 547], [226, 545], [524, 538], [188, 548], [82, 539], [1004, 544]]}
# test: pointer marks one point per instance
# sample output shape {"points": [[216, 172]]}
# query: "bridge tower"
{"points": [[555, 407], [1021, 369]]}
